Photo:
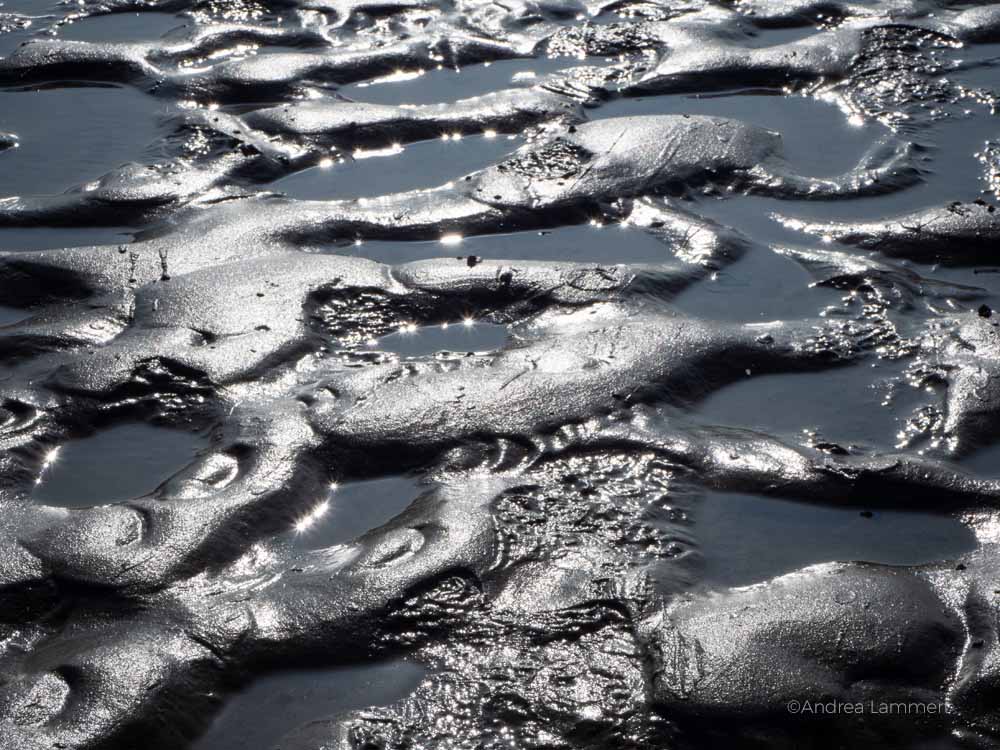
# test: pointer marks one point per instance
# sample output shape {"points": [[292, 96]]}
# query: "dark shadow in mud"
{"points": [[979, 65], [273, 706], [985, 461], [746, 539], [115, 464], [10, 315]]}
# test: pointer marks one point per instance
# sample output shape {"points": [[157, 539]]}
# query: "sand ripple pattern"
{"points": [[333, 180]]}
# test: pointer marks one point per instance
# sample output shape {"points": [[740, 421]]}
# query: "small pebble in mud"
{"points": [[866, 514], [985, 311], [473, 260]]}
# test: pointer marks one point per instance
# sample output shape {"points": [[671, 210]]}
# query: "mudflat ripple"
{"points": [[538, 374]]}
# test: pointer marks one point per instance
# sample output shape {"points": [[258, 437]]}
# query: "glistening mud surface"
{"points": [[542, 374]]}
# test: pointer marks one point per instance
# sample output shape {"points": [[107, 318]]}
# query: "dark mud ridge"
{"points": [[465, 374]]}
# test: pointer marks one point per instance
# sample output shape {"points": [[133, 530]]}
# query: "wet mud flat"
{"points": [[565, 374]]}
